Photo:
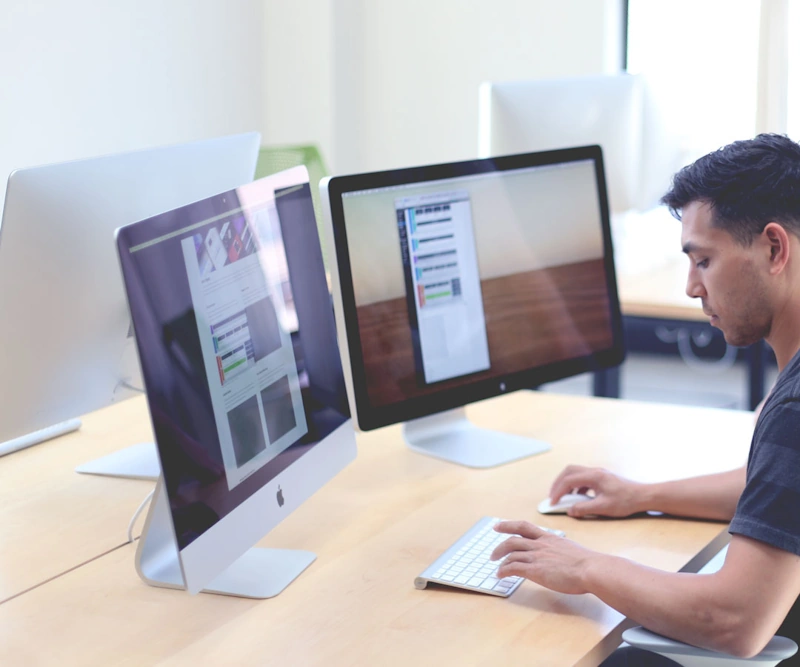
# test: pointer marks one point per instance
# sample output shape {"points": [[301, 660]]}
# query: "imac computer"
{"points": [[458, 282], [249, 419], [67, 343], [619, 112]]}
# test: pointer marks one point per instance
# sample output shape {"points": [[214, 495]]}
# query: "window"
{"points": [[701, 59]]}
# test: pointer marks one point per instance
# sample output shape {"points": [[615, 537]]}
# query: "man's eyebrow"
{"points": [[690, 247]]}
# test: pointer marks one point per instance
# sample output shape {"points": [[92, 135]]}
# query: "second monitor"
{"points": [[457, 282]]}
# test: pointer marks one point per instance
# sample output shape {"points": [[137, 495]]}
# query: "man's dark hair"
{"points": [[747, 184]]}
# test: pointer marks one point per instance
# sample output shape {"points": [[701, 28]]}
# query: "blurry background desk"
{"points": [[658, 316], [660, 293], [375, 527], [658, 296], [51, 518]]}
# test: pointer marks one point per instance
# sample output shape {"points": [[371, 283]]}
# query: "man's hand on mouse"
{"points": [[549, 560], [614, 496]]}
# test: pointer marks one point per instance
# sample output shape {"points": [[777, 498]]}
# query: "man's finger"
{"points": [[569, 471], [511, 545], [516, 564], [523, 528], [583, 480], [591, 507]]}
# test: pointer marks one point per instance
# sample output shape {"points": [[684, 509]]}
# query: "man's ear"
{"points": [[777, 239]]}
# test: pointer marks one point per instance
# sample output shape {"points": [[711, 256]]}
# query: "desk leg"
{"points": [[756, 363], [606, 383]]}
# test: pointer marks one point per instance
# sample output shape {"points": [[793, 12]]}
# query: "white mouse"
{"points": [[561, 507]]}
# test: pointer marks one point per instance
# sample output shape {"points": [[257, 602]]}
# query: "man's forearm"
{"points": [[682, 606], [707, 497]]}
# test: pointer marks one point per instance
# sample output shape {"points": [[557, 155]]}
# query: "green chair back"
{"points": [[272, 159]]}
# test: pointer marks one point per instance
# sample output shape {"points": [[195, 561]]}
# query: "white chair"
{"points": [[778, 648]]}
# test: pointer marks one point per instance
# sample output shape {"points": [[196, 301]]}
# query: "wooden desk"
{"points": [[375, 527], [53, 519]]}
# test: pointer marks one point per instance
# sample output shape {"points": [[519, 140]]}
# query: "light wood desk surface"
{"points": [[375, 527], [52, 518]]}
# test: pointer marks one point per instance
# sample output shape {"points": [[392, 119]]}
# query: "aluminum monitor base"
{"points": [[452, 437], [258, 573], [135, 462]]}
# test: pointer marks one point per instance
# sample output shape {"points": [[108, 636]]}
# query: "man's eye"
{"points": [[702, 264]]}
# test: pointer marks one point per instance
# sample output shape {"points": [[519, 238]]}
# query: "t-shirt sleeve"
{"points": [[769, 508]]}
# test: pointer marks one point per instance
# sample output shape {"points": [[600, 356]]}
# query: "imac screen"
{"points": [[237, 342], [466, 280]]}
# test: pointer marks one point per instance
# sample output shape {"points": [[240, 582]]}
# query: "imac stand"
{"points": [[138, 461], [451, 436], [258, 573]]}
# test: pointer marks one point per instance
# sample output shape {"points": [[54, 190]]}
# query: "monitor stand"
{"points": [[258, 573], [138, 461], [451, 436]]}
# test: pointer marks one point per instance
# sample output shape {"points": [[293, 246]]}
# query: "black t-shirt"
{"points": [[769, 508]]}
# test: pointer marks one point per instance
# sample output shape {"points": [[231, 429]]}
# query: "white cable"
{"points": [[128, 385], [137, 513]]}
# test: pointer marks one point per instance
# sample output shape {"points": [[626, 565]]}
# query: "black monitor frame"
{"points": [[372, 417]]}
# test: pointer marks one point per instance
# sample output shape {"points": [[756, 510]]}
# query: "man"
{"points": [[739, 209]]}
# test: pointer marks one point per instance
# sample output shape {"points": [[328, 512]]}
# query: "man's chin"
{"points": [[739, 341]]}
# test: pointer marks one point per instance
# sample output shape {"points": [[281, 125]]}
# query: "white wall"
{"points": [[376, 83], [298, 78], [382, 83], [90, 77]]}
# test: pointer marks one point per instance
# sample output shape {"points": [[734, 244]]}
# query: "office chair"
{"points": [[778, 649]]}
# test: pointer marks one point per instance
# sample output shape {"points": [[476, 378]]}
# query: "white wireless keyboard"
{"points": [[466, 563]]}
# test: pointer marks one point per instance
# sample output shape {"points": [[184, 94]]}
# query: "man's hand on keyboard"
{"points": [[531, 552]]}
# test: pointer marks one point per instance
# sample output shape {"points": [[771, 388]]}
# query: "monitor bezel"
{"points": [[370, 417]]}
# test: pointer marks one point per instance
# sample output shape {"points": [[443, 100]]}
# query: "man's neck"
{"points": [[783, 358], [784, 335], [784, 338]]}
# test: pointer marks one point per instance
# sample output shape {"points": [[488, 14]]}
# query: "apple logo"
{"points": [[280, 497]]}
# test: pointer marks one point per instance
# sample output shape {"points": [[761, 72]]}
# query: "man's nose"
{"points": [[694, 287]]}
